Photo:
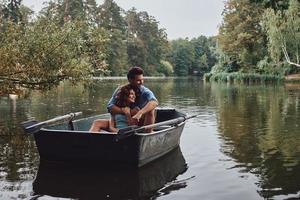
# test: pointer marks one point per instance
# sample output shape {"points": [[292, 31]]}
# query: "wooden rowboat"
{"points": [[70, 142]]}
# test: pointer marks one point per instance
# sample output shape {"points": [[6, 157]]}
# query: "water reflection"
{"points": [[260, 131], [100, 183], [248, 129]]}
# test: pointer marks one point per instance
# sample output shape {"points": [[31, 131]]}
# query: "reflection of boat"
{"points": [[60, 143], [100, 183]]}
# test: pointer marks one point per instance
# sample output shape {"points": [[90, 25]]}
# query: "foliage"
{"points": [[243, 77], [274, 4], [74, 40], [62, 11], [165, 68], [283, 31], [195, 56], [10, 11], [41, 55], [147, 43], [182, 56], [259, 36], [204, 54], [240, 35], [110, 18]]}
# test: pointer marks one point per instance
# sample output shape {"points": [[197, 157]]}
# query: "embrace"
{"points": [[130, 104]]}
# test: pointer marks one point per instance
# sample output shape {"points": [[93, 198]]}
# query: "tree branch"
{"points": [[287, 58], [24, 82]]}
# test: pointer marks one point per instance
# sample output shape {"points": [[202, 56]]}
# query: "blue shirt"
{"points": [[121, 121], [146, 95]]}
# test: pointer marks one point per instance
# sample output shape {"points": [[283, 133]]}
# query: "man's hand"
{"points": [[138, 115], [126, 111]]}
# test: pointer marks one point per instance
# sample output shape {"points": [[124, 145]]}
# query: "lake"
{"points": [[245, 144]]}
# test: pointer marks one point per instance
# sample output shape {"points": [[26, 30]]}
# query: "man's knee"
{"points": [[150, 117], [150, 113]]}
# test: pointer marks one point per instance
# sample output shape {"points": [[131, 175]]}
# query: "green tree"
{"points": [[11, 10], [110, 18], [240, 36], [63, 11], [182, 57], [90, 8], [204, 55], [283, 31], [42, 55], [274, 4], [165, 68], [147, 43]]}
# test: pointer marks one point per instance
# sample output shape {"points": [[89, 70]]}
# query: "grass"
{"points": [[238, 77]]}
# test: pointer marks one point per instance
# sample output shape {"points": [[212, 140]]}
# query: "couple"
{"points": [[131, 104]]}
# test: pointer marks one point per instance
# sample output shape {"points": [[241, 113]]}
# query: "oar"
{"points": [[33, 126], [131, 130]]}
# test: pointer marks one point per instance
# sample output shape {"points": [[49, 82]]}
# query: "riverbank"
{"points": [[293, 78], [237, 77]]}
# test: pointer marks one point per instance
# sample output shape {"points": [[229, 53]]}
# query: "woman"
{"points": [[125, 99]]}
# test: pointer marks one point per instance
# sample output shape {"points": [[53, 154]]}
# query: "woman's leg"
{"points": [[99, 125]]}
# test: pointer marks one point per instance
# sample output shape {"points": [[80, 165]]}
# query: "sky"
{"points": [[180, 18]]}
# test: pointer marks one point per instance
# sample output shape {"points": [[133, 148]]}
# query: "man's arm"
{"points": [[111, 107], [151, 105], [116, 110]]}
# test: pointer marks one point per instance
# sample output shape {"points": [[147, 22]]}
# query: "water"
{"points": [[244, 145]]}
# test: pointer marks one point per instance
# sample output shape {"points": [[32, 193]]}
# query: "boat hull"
{"points": [[83, 147]]}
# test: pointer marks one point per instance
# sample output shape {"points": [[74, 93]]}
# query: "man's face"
{"points": [[137, 81]]}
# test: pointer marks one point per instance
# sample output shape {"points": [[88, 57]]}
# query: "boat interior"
{"points": [[85, 123]]}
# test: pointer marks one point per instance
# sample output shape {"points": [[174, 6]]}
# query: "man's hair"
{"points": [[133, 71]]}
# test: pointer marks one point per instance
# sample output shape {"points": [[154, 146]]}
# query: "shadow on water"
{"points": [[153, 180]]}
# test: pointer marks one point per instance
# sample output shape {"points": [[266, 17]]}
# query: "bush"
{"points": [[165, 68], [238, 77]]}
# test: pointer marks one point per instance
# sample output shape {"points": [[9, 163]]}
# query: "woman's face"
{"points": [[131, 96]]}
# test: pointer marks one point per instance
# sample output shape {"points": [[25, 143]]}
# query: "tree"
{"points": [[11, 10], [274, 4], [146, 39], [165, 68], [110, 18], [204, 56], [42, 55], [62, 11], [90, 8], [283, 31], [182, 57], [240, 35]]}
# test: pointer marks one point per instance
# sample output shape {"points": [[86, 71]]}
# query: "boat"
{"points": [[71, 142], [154, 179]]}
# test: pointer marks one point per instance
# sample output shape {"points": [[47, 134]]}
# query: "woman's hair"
{"points": [[123, 94]]}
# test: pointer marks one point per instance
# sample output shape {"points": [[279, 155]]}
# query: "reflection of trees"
{"points": [[18, 155], [182, 92], [259, 125]]}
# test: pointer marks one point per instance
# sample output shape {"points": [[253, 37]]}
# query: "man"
{"points": [[146, 103]]}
